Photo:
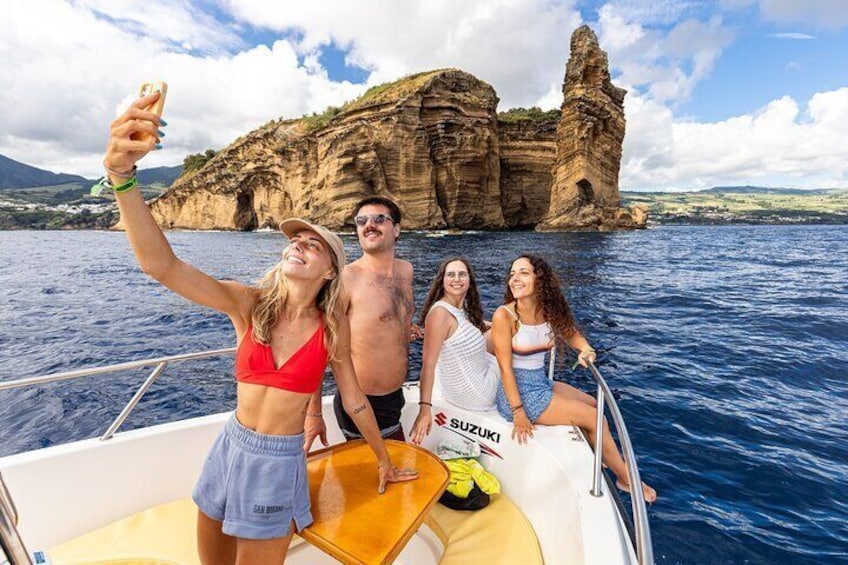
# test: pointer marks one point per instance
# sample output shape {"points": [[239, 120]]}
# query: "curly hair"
{"points": [[551, 301], [472, 306]]}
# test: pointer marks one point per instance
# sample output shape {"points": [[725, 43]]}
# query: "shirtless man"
{"points": [[377, 298]]}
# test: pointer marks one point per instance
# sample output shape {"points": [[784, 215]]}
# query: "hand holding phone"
{"points": [[157, 107]]}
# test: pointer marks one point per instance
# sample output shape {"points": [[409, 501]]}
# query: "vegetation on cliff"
{"points": [[195, 161], [379, 94], [532, 114]]}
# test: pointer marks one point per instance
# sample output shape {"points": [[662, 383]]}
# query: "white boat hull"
{"points": [[65, 491]]}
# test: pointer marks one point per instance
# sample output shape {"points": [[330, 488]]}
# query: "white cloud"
{"points": [[665, 65], [69, 67], [656, 12], [791, 35], [781, 144], [68, 71], [496, 40], [825, 14], [173, 23]]}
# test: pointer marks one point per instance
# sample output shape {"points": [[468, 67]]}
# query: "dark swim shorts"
{"points": [[387, 409]]}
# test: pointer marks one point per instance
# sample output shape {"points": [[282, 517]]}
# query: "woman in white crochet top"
{"points": [[455, 351]]}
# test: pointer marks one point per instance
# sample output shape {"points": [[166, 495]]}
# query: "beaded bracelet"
{"points": [[129, 174], [517, 408]]}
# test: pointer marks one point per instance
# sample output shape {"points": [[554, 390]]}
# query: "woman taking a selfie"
{"points": [[253, 494], [535, 318]]}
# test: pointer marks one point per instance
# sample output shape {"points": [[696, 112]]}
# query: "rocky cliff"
{"points": [[433, 143], [528, 151], [429, 142], [590, 133]]}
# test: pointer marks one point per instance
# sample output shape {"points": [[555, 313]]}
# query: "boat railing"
{"points": [[10, 540], [11, 544], [159, 362], [644, 546], [15, 551]]}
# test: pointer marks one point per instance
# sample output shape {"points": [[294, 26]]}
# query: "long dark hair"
{"points": [[551, 301], [473, 308]]}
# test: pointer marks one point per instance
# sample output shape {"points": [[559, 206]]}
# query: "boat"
{"points": [[125, 496]]}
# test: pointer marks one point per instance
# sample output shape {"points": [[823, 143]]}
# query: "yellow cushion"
{"points": [[166, 535], [499, 533], [163, 535]]}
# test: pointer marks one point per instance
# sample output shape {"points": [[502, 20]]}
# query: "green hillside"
{"points": [[744, 204]]}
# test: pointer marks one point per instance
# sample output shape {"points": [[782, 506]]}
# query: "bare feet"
{"points": [[649, 493]]}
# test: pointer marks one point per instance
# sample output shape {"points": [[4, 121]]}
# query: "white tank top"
{"points": [[530, 344], [466, 374]]}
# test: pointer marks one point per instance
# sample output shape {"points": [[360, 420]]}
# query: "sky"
{"points": [[721, 92]]}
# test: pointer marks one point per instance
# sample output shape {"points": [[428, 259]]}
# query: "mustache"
{"points": [[372, 230]]}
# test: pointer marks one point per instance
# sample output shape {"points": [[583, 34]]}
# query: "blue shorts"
{"points": [[255, 484], [536, 391]]}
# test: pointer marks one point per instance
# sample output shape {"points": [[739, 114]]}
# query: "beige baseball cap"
{"points": [[292, 226]]}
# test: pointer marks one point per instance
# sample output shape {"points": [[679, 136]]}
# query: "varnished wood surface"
{"points": [[355, 524]]}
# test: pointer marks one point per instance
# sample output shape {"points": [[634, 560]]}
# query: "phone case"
{"points": [[157, 107]]}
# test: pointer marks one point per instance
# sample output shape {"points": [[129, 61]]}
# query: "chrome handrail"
{"points": [[160, 362], [133, 401], [644, 547], [10, 540], [42, 379]]}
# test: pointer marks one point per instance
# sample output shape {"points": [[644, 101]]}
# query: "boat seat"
{"points": [[351, 522], [499, 533], [162, 535], [165, 535]]}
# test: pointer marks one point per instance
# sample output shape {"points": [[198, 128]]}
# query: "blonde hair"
{"points": [[273, 292]]}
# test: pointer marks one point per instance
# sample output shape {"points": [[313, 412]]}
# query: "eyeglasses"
{"points": [[460, 275], [378, 219]]}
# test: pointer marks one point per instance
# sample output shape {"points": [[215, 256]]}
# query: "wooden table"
{"points": [[355, 524]]}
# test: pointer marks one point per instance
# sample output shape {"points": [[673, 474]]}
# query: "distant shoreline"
{"points": [[68, 207]]}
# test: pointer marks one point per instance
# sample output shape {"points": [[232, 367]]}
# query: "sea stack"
{"points": [[584, 188], [433, 142]]}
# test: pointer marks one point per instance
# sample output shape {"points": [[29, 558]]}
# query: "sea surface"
{"points": [[727, 348]]}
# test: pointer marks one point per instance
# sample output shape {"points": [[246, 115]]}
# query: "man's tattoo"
{"points": [[358, 409]]}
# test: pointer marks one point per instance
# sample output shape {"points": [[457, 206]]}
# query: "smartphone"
{"points": [[156, 107]]}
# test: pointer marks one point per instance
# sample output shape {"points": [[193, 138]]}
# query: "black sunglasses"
{"points": [[378, 219]]}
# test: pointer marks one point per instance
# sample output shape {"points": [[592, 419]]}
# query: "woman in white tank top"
{"points": [[455, 352], [536, 318]]}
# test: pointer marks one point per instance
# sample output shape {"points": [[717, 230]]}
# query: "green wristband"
{"points": [[104, 183], [127, 186]]}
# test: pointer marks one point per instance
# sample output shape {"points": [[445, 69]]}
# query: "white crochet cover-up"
{"points": [[466, 374]]}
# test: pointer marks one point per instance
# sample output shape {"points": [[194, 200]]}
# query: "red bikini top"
{"points": [[302, 372]]}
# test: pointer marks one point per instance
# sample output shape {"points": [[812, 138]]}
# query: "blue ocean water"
{"points": [[726, 346]]}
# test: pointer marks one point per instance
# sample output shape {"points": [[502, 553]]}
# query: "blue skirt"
{"points": [[536, 391]]}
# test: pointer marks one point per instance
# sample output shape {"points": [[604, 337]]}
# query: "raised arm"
{"points": [[151, 248], [359, 409], [502, 324], [437, 325]]}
